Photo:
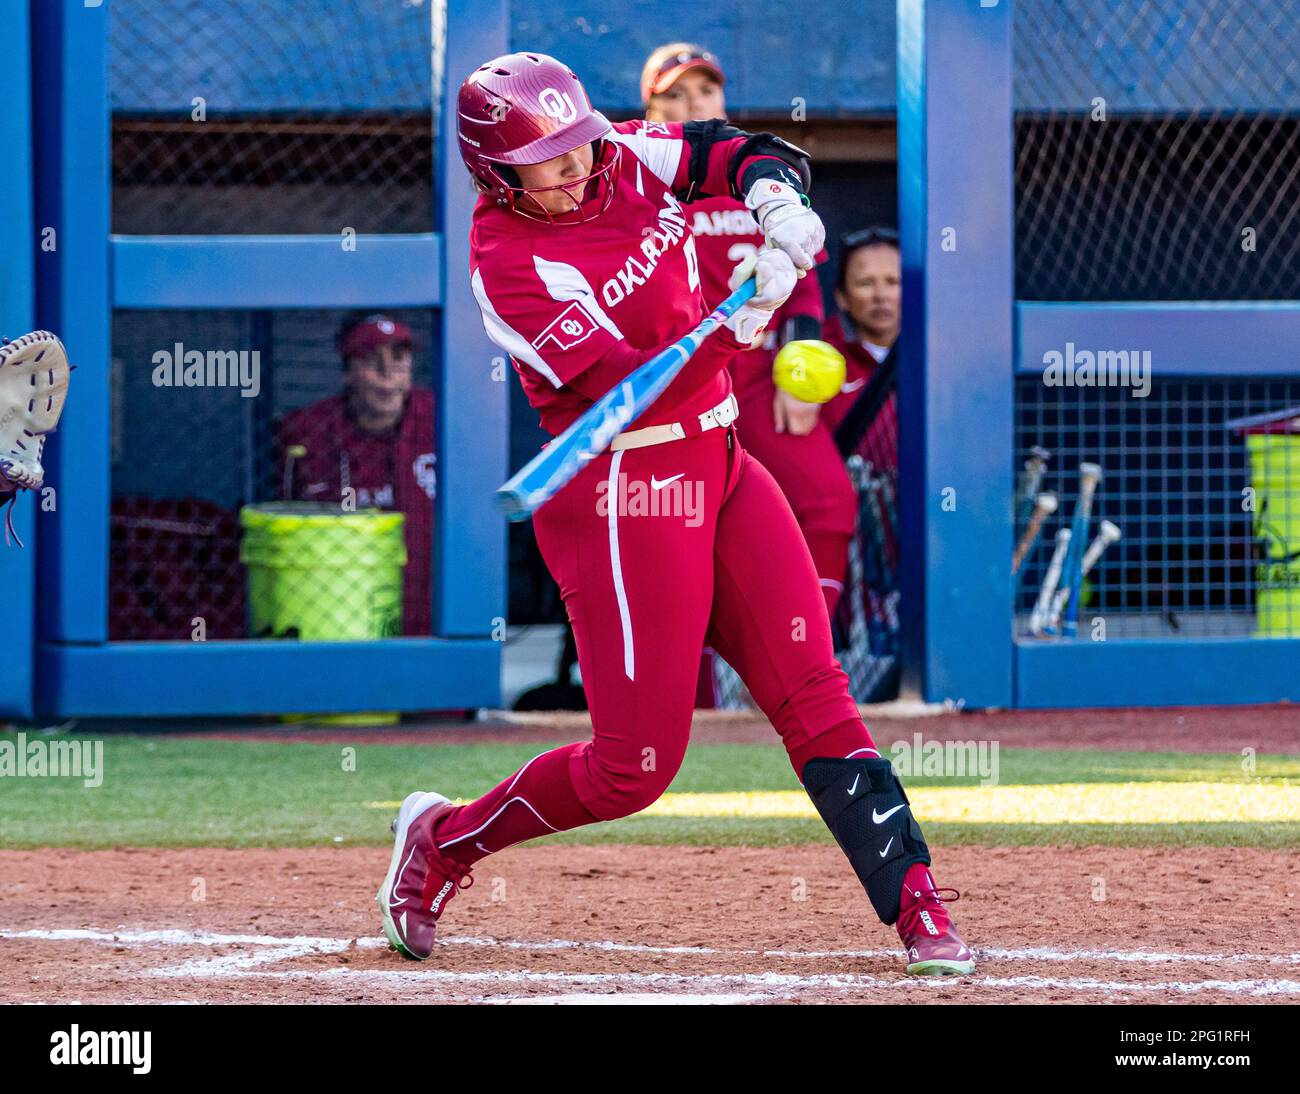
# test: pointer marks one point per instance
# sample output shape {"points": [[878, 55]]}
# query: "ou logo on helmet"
{"points": [[557, 105]]}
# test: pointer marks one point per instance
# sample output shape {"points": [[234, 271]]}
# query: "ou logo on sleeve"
{"points": [[573, 325], [557, 105], [426, 474]]}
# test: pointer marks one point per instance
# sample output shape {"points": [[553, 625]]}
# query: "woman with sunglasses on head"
{"points": [[683, 82], [584, 269]]}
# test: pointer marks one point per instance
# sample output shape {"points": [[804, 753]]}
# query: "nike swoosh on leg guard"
{"points": [[874, 828]]}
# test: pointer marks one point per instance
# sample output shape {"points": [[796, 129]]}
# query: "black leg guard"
{"points": [[863, 804]]}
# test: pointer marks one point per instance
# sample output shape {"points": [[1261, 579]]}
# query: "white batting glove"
{"points": [[786, 222], [776, 277]]}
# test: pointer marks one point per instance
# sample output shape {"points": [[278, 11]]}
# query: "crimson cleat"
{"points": [[934, 948], [420, 881]]}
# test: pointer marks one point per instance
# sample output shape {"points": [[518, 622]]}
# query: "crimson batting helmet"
{"points": [[526, 108]]}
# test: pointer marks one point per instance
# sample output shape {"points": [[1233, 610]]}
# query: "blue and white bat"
{"points": [[542, 477], [1089, 476]]}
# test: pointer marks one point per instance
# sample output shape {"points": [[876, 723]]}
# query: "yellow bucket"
{"points": [[318, 575], [1275, 476]]}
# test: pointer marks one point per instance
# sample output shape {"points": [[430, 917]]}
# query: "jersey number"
{"points": [[738, 252], [692, 262]]}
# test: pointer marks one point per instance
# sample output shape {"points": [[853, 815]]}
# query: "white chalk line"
{"points": [[273, 949], [769, 982], [1024, 953], [628, 999], [334, 944], [178, 936]]}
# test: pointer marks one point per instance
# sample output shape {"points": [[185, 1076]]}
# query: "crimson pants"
{"points": [[657, 550], [811, 474]]}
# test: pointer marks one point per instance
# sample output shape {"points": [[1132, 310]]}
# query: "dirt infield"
{"points": [[1265, 728], [622, 924]]}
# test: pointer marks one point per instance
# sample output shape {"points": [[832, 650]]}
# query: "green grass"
{"points": [[182, 792]]}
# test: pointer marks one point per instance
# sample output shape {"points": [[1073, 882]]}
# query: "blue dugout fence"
{"points": [[1157, 182], [77, 669], [1143, 138], [1012, 243]]}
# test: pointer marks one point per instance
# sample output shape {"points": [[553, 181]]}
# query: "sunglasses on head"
{"points": [[682, 57], [866, 237]]}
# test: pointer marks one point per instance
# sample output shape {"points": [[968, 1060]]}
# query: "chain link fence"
{"points": [[1157, 150], [1204, 524], [868, 619], [273, 116], [1157, 157], [215, 411], [258, 489]]}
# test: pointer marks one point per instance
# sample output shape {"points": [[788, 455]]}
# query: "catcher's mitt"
{"points": [[34, 374]]}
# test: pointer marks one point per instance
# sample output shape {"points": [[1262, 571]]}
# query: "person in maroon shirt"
{"points": [[376, 439], [683, 82], [869, 299]]}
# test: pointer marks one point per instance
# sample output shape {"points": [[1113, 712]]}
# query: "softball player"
{"points": [[683, 82], [584, 267]]}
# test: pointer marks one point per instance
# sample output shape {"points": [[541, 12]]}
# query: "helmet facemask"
{"points": [[502, 181]]}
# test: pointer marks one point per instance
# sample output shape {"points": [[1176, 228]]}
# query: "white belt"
{"points": [[719, 416]]}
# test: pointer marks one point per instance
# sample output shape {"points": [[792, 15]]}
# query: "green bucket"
{"points": [[318, 574], [1275, 476]]}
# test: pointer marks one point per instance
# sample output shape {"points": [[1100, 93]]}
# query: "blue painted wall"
{"points": [[165, 52], [1139, 56], [17, 316], [837, 57], [240, 57]]}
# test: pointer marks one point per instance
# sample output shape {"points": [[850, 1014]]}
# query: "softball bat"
{"points": [[1044, 507], [1043, 606], [1107, 534], [1089, 477]]}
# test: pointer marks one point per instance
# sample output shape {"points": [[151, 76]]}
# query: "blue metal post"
{"points": [[471, 420], [17, 311], [73, 300], [955, 388]]}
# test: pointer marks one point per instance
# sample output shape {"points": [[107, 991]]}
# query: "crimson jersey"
{"points": [[580, 306], [726, 233], [393, 471], [880, 442]]}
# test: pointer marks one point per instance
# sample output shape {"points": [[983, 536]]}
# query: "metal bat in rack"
{"points": [[1044, 507], [1107, 533], [1089, 477], [1043, 605], [1028, 482]]}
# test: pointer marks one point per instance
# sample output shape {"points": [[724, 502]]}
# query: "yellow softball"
{"points": [[809, 370]]}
